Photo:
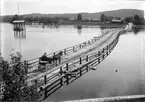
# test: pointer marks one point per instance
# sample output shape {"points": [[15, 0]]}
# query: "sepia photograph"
{"points": [[72, 51]]}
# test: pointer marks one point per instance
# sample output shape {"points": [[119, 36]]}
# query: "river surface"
{"points": [[121, 73], [38, 39]]}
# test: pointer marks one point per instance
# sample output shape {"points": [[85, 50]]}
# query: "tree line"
{"points": [[47, 20], [135, 20]]}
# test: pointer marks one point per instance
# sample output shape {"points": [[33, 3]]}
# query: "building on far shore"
{"points": [[116, 21]]}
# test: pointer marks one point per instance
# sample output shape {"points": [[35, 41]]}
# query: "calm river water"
{"points": [[127, 58]]}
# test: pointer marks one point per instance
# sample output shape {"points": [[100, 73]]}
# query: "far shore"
{"points": [[103, 25]]}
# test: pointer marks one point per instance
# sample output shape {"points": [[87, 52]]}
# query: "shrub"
{"points": [[14, 75]]}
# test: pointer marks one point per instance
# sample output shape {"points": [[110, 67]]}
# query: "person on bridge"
{"points": [[44, 57], [43, 61]]}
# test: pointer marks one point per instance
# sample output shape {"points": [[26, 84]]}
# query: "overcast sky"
{"points": [[10, 7]]}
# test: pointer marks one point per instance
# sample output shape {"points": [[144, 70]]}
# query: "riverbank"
{"points": [[115, 25]]}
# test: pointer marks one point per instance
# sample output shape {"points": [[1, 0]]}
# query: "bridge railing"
{"points": [[44, 79], [70, 50], [70, 73]]}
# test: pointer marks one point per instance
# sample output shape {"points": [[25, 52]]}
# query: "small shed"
{"points": [[19, 25]]}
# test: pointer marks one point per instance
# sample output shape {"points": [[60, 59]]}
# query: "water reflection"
{"points": [[136, 30], [20, 34], [79, 28]]}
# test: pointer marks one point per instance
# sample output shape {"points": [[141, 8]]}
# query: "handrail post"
{"points": [[67, 66], [61, 71], [80, 60], [107, 50], [26, 67], [80, 46], [87, 58], [99, 57], [103, 56], [98, 53], [73, 48], [85, 44], [45, 79], [89, 42], [36, 82], [65, 51], [92, 40], [103, 50]]}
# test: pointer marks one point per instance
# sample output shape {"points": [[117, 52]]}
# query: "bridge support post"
{"points": [[61, 81], [80, 72], [107, 52], [67, 80], [45, 93], [67, 76], [86, 68], [99, 60]]}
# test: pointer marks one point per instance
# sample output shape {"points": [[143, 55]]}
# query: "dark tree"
{"points": [[128, 19], [15, 17], [102, 18], [79, 18], [137, 20]]}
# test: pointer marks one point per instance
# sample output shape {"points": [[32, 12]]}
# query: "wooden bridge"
{"points": [[76, 61]]}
